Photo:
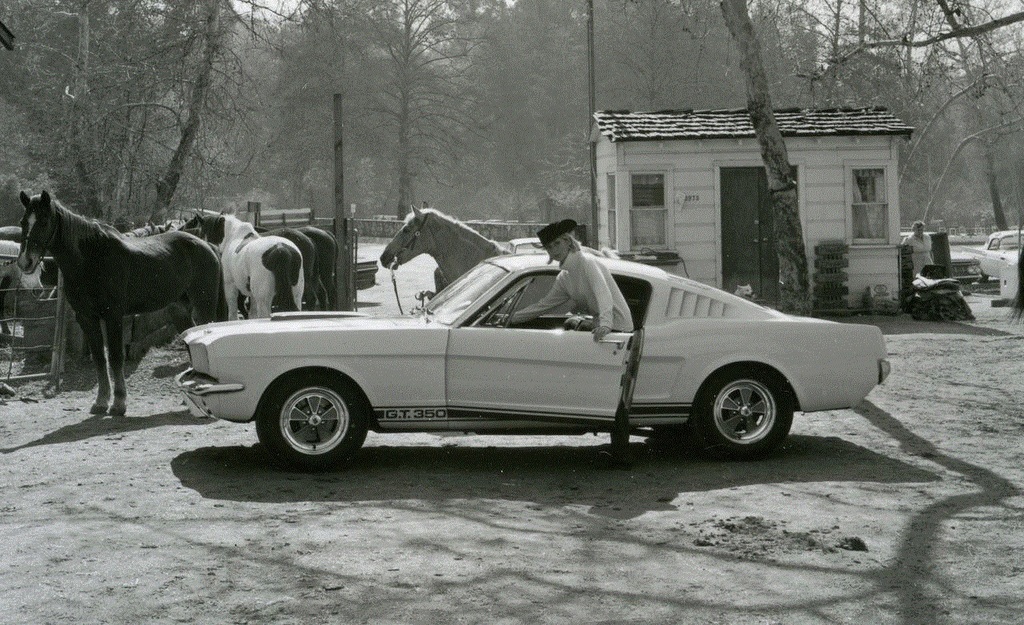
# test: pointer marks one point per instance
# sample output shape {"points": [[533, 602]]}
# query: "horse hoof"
{"points": [[117, 410], [98, 409]]}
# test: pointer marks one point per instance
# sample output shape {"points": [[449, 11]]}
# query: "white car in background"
{"points": [[525, 245], [1000, 250], [719, 368]]}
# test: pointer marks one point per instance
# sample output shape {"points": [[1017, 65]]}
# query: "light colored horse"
{"points": [[456, 247], [266, 269]]}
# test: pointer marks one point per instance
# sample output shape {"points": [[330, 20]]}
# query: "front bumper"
{"points": [[198, 387]]}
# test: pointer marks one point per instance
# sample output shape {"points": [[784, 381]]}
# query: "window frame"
{"points": [[851, 167], [667, 242]]}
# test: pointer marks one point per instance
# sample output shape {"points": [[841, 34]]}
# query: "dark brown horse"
{"points": [[108, 276], [327, 256]]}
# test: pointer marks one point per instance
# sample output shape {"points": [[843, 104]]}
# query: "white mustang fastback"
{"points": [[715, 367]]}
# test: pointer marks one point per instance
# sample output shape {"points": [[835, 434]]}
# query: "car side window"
{"points": [[524, 292], [993, 244]]}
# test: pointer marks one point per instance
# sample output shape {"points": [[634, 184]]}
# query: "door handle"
{"points": [[618, 343]]}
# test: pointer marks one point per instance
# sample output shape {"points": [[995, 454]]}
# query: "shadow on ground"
{"points": [[102, 425], [555, 475]]}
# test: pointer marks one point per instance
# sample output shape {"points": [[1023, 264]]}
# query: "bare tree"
{"points": [[211, 43], [426, 46]]}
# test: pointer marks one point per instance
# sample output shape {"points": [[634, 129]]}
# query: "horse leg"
{"points": [[231, 298], [115, 349], [94, 336], [261, 297]]}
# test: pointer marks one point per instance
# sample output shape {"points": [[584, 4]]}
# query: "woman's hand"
{"points": [[600, 332]]}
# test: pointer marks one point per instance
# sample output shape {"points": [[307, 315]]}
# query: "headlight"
{"points": [[199, 357]]}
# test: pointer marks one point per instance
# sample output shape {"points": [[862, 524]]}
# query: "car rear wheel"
{"points": [[743, 413], [312, 422]]}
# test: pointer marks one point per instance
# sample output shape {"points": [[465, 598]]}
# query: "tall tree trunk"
{"points": [[168, 183], [403, 160], [80, 136], [794, 289], [993, 189]]}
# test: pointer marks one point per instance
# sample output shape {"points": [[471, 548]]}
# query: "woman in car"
{"points": [[584, 281]]}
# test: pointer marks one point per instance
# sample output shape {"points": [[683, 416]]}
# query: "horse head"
{"points": [[408, 242], [38, 228], [208, 227]]}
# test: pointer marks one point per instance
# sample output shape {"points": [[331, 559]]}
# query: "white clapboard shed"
{"points": [[693, 183]]}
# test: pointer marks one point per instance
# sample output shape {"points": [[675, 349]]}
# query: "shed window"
{"points": [[647, 216], [870, 206]]}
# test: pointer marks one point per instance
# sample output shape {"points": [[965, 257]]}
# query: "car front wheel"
{"points": [[312, 422], [743, 413]]}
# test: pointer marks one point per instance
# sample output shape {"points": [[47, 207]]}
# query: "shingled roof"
{"points": [[735, 123]]}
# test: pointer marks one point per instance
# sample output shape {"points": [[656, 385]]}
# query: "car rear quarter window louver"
{"points": [[686, 304]]}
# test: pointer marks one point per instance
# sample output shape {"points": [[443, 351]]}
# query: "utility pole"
{"points": [[592, 101], [343, 279]]}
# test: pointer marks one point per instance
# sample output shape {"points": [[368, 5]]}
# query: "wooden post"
{"points": [[253, 208], [342, 225]]}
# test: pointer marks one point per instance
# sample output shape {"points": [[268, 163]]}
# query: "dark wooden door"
{"points": [[749, 254]]}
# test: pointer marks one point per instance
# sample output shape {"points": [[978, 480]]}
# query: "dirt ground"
{"points": [[906, 510]]}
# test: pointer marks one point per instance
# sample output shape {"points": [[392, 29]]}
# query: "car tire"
{"points": [[742, 413], [312, 422]]}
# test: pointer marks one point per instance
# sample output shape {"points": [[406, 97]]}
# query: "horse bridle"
{"points": [[408, 245], [33, 241]]}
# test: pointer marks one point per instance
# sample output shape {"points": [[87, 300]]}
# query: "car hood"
{"points": [[289, 323]]}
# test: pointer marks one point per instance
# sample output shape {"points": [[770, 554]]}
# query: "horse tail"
{"points": [[285, 262], [1018, 301]]}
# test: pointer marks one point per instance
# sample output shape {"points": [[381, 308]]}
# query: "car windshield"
{"points": [[451, 302], [1009, 243]]}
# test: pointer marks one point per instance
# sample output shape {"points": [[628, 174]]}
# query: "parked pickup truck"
{"points": [[1001, 249]]}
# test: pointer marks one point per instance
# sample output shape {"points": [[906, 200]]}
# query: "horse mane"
{"points": [[463, 232], [76, 229]]}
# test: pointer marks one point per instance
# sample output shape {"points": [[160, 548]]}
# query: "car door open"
{"points": [[542, 372]]}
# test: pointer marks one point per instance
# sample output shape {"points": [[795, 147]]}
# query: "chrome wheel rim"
{"points": [[314, 420], [745, 411]]}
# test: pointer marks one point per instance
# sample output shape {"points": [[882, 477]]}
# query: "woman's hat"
{"points": [[552, 231]]}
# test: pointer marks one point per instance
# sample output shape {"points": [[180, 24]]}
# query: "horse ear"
{"points": [[416, 211], [25, 199], [44, 198]]}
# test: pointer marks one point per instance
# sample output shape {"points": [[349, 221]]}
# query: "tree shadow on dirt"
{"points": [[915, 576], [102, 425], [554, 475]]}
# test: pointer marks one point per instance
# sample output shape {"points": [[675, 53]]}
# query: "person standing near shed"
{"points": [[584, 280], [921, 244]]}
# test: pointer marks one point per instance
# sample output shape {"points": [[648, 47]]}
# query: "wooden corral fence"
{"points": [[255, 214], [35, 325]]}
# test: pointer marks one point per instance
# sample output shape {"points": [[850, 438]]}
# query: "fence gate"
{"points": [[33, 324]]}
